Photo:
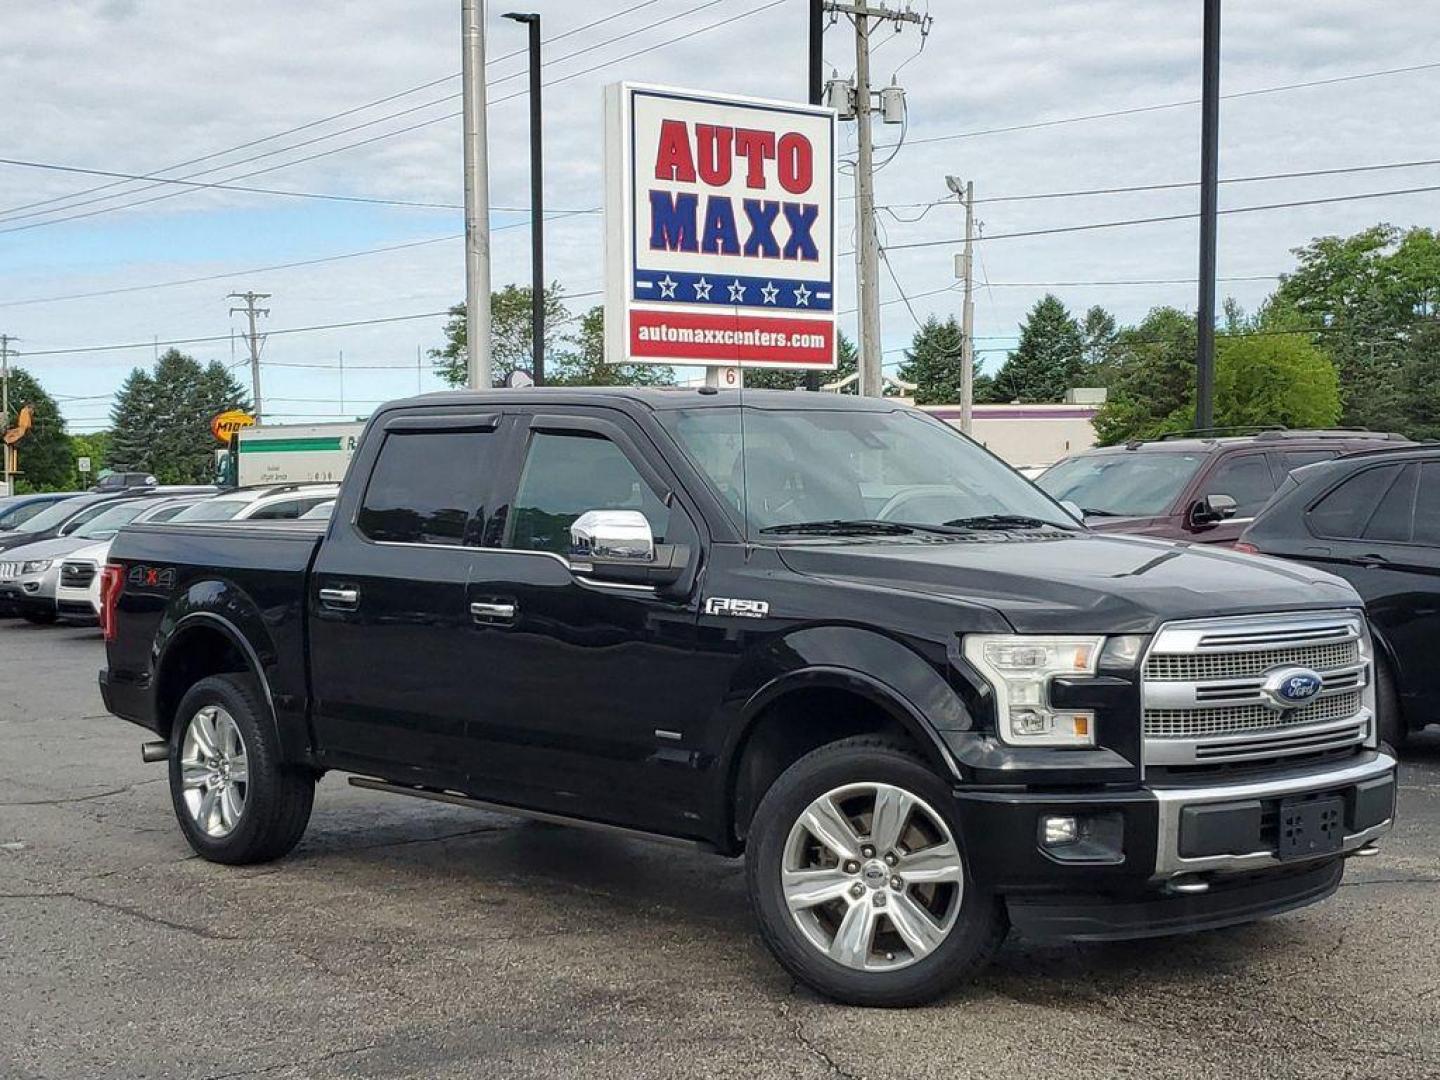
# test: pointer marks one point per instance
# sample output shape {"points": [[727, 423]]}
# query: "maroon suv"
{"points": [[1203, 486]]}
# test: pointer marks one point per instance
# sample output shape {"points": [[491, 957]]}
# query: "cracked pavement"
{"points": [[413, 939]]}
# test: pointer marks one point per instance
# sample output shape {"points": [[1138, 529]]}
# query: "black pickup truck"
{"points": [[829, 633]]}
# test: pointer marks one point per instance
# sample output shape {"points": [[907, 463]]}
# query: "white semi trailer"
{"points": [[293, 453]]}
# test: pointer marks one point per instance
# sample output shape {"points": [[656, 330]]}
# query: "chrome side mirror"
{"points": [[618, 536], [1213, 509]]}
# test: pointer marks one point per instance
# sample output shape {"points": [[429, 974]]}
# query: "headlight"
{"points": [[1018, 669], [36, 566]]}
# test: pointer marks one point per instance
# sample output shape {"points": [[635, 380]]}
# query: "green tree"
{"points": [[582, 361], [847, 364], [932, 362], [1267, 377], [92, 445], [1153, 380], [511, 334], [1100, 334], [1049, 359], [160, 422], [1368, 291], [43, 455], [1420, 383]]}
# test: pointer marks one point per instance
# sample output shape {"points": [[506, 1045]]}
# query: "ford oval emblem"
{"points": [[1290, 687]]}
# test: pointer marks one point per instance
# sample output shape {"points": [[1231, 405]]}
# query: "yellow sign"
{"points": [[228, 423]]}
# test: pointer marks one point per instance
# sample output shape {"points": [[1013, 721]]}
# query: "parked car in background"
{"points": [[1203, 486], [319, 512], [30, 573], [76, 581], [17, 509], [284, 502], [1374, 519]]}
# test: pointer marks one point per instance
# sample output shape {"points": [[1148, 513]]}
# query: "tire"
{"points": [[39, 617], [1389, 720], [963, 922], [221, 728]]}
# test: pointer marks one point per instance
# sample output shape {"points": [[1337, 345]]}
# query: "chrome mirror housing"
{"points": [[622, 536]]}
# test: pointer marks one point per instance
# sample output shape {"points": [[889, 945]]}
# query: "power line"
{"points": [[1169, 217], [1110, 114], [385, 249], [333, 116], [1176, 185], [391, 116]]}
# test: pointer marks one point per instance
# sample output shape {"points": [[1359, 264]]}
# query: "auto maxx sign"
{"points": [[720, 222]]}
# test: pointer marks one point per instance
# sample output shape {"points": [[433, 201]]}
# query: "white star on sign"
{"points": [[769, 292], [667, 287], [702, 289], [802, 296], [737, 291]]}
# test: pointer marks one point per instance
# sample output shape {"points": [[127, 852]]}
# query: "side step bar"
{"points": [[456, 799]]}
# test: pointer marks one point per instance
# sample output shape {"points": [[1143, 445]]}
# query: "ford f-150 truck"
{"points": [[829, 633]]}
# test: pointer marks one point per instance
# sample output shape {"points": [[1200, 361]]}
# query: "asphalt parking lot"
{"points": [[408, 939]]}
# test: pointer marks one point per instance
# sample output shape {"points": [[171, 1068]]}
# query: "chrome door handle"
{"points": [[340, 598], [492, 611]]}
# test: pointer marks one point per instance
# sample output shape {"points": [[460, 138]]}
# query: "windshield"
{"points": [[855, 471], [52, 516], [213, 510], [1122, 484], [107, 523]]}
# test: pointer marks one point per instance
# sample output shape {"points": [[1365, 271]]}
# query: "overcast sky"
{"points": [[141, 86]]}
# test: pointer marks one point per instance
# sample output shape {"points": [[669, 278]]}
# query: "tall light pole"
{"points": [[537, 202], [477, 196], [1209, 198]]}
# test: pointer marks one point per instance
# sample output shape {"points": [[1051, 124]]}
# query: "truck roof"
{"points": [[655, 398]]}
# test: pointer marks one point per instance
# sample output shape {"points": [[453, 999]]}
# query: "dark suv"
{"points": [[1203, 486], [1374, 519]]}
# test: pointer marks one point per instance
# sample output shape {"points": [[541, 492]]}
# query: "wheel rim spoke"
{"points": [[851, 946], [239, 769], [937, 863], [230, 807], [193, 776], [832, 828], [213, 766], [914, 925], [810, 888], [203, 730], [892, 815]]}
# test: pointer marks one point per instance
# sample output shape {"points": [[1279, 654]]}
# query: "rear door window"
{"points": [[1427, 506], [1291, 460], [1395, 513], [1246, 479], [427, 487], [1346, 510]]}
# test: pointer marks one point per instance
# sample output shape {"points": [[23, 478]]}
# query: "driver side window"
{"points": [[1246, 479], [567, 474]]}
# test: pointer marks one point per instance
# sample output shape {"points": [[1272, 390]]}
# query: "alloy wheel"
{"points": [[214, 774]]}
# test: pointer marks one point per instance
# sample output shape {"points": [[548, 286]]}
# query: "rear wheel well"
{"points": [[199, 652], [789, 728]]}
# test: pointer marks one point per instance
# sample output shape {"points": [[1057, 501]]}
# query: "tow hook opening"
{"points": [[153, 751], [1364, 851]]}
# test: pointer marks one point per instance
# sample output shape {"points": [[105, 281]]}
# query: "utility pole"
{"points": [[251, 311], [537, 203], [867, 266], [816, 83], [5, 340], [477, 196], [965, 269], [1209, 198]]}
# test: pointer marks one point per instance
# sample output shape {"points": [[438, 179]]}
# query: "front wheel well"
{"points": [[198, 653], [792, 726]]}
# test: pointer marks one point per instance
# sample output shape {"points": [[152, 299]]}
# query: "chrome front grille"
{"points": [[77, 575], [1209, 688], [9, 571]]}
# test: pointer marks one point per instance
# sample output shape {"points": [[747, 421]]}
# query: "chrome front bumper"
{"points": [[1172, 801]]}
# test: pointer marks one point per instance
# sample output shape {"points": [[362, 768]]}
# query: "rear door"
{"points": [[393, 677], [1381, 527]]}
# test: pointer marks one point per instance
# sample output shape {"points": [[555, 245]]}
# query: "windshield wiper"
{"points": [[1091, 511], [1002, 521], [843, 527]]}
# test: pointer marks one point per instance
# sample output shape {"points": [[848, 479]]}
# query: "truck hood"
{"points": [[1081, 582], [55, 548]]}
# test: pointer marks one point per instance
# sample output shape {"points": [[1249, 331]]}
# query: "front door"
{"points": [[394, 678], [592, 706], [1247, 479]]}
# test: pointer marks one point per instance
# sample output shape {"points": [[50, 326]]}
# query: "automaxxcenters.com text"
{"points": [[759, 339]]}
